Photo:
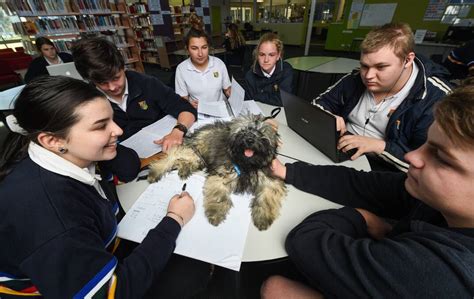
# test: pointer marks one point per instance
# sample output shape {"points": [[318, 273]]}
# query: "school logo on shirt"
{"points": [[216, 74], [143, 105], [275, 87], [392, 110]]}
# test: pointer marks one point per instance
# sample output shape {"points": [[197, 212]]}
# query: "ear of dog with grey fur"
{"points": [[236, 156]]}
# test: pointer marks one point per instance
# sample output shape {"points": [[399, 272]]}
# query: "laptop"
{"points": [[64, 69], [315, 125]]}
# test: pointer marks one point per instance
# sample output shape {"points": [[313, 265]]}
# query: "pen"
{"points": [[182, 190]]}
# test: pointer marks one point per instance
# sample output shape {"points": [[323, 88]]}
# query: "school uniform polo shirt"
{"points": [[205, 86]]}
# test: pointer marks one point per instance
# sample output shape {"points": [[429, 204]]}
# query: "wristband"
{"points": [[182, 128], [177, 215]]}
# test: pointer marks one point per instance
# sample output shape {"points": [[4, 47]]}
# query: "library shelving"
{"points": [[64, 21], [140, 22]]}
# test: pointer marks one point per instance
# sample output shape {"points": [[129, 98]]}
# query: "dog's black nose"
{"points": [[249, 141]]}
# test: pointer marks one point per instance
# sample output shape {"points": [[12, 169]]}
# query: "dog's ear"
{"points": [[272, 122]]}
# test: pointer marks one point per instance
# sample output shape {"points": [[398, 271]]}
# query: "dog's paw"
{"points": [[215, 217], [184, 173], [262, 219], [262, 224], [217, 208], [154, 176]]}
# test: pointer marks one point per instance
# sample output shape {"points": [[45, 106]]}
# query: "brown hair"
{"points": [[267, 37], [40, 41], [397, 36], [196, 21], [196, 33], [455, 115], [47, 104], [97, 59], [236, 38]]}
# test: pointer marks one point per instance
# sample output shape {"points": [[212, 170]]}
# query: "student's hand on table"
{"points": [[278, 169], [181, 208], [376, 226], [340, 125], [363, 144], [172, 139]]}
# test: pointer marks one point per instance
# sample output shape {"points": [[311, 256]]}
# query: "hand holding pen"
{"points": [[181, 207]]}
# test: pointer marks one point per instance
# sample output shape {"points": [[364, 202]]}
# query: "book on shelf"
{"points": [[42, 7], [138, 8], [94, 6]]}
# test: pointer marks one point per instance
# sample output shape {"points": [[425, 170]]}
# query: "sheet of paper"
{"points": [[142, 141], [161, 127], [236, 99], [221, 245], [252, 108], [206, 121], [218, 109]]}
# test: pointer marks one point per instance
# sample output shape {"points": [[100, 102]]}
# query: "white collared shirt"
{"points": [[268, 75], [54, 163], [207, 85], [123, 104], [52, 63], [378, 114]]}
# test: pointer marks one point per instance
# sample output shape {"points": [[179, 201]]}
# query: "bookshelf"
{"points": [[170, 24], [140, 22], [64, 21]]}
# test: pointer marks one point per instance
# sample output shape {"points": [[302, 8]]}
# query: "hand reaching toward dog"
{"points": [[172, 139], [181, 208], [278, 169]]}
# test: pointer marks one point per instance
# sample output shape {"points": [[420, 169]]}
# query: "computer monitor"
{"points": [[458, 34]]}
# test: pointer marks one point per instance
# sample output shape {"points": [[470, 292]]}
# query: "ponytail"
{"points": [[14, 149]]}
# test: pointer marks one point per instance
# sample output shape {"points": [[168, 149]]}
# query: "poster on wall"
{"points": [[435, 9], [377, 14], [199, 11], [156, 19], [355, 14], [154, 5]]}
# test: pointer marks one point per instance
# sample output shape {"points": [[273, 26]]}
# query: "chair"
{"points": [[15, 60], [8, 77], [7, 50]]}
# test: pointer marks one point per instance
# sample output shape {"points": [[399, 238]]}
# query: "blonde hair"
{"points": [[397, 36], [455, 115], [267, 37]]}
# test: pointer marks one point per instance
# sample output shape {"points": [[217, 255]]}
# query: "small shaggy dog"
{"points": [[237, 157]]}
